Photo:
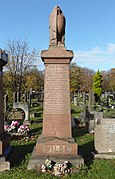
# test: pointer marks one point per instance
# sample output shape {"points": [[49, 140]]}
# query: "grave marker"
{"points": [[56, 142], [105, 138]]}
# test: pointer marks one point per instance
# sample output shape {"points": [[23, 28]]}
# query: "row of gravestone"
{"points": [[17, 104], [95, 122], [82, 97], [20, 108], [4, 137], [27, 96], [104, 134]]}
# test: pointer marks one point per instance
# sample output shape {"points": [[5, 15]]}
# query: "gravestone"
{"points": [[6, 102], [56, 142], [75, 100], [92, 117], [84, 100], [15, 115], [90, 121], [18, 96], [25, 107], [91, 99], [15, 97], [30, 97], [25, 96], [105, 137], [4, 138], [83, 113]]}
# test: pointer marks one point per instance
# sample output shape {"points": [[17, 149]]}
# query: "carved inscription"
{"points": [[110, 134], [59, 149], [57, 95], [105, 136]]}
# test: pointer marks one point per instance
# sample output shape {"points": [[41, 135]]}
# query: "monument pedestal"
{"points": [[56, 142]]}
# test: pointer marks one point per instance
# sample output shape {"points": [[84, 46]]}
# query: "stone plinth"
{"points": [[4, 138], [56, 142]]}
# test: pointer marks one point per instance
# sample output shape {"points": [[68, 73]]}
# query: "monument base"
{"points": [[4, 151], [55, 149], [107, 156], [4, 142], [36, 161], [3, 164], [27, 122]]}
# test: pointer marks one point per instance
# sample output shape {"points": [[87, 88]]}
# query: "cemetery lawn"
{"points": [[21, 152]]}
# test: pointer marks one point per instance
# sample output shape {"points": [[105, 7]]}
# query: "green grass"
{"points": [[75, 111], [93, 169], [110, 113], [38, 110]]}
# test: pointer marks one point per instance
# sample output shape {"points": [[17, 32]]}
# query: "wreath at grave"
{"points": [[15, 114]]}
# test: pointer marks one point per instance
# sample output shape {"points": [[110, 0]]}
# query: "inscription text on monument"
{"points": [[57, 99], [59, 149]]}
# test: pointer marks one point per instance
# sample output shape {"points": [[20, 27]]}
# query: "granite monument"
{"points": [[56, 141]]}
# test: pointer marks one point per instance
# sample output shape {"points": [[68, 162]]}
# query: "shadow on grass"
{"points": [[78, 131], [37, 130], [87, 150], [18, 154], [86, 144]]}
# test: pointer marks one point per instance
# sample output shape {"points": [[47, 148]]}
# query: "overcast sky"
{"points": [[90, 28]]}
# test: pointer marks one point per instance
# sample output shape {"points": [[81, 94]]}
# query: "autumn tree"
{"points": [[105, 83], [34, 80], [20, 61], [97, 85], [87, 81], [112, 79], [76, 78]]}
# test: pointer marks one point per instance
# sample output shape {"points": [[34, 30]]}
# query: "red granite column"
{"points": [[57, 113]]}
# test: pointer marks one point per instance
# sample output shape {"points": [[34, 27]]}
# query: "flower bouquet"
{"points": [[13, 126], [57, 169], [24, 129]]}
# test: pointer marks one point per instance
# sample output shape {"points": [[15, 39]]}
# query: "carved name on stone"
{"points": [[59, 149], [110, 134], [57, 98]]}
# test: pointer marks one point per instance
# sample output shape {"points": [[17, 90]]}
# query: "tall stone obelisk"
{"points": [[56, 142], [4, 138]]}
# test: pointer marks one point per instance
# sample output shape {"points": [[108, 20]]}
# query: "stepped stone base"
{"points": [[54, 149], [3, 164], [4, 142], [36, 160], [104, 156], [27, 122], [4, 151]]}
